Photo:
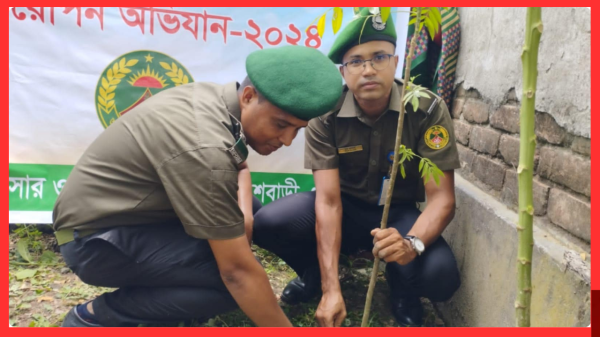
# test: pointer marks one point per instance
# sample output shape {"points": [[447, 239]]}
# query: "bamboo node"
{"points": [[526, 211], [524, 261], [540, 27], [529, 93], [533, 139]]}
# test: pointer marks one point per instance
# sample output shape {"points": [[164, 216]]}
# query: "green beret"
{"points": [[374, 30], [301, 81]]}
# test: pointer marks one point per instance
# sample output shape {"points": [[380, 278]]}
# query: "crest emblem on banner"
{"points": [[133, 78]]}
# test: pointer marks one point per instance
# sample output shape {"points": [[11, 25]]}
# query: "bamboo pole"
{"points": [[529, 58]]}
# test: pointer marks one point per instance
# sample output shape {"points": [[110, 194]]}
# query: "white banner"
{"points": [[74, 69]]}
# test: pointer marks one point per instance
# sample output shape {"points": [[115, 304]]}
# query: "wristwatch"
{"points": [[416, 243]]}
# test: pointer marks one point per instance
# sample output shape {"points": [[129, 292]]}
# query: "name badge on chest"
{"points": [[350, 149]]}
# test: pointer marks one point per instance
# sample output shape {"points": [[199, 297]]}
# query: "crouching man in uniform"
{"points": [[350, 150], [153, 206]]}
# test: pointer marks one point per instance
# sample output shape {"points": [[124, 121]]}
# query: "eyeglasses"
{"points": [[378, 62]]}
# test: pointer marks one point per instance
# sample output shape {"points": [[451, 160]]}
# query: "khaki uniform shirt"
{"points": [[163, 161], [347, 139]]}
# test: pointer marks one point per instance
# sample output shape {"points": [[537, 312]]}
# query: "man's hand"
{"points": [[390, 246], [332, 310], [247, 282]]}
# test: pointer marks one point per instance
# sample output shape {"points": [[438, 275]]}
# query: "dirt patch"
{"points": [[43, 290]]}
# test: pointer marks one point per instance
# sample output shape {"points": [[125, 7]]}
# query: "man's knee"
{"points": [[283, 217], [267, 224]]}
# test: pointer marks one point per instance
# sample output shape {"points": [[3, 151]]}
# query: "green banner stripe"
{"points": [[35, 187]]}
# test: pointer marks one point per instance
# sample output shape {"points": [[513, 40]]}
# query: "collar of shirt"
{"points": [[350, 107], [230, 96]]}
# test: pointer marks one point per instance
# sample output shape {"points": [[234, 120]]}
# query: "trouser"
{"points": [[286, 227], [163, 275]]}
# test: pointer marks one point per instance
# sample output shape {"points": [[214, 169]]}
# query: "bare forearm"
{"points": [[245, 199], [251, 290], [434, 219], [329, 240]]}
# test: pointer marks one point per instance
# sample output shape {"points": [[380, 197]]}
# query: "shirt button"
{"points": [[373, 162], [376, 133]]}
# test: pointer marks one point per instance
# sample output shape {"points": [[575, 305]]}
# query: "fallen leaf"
{"points": [[48, 257], [45, 299], [25, 274], [23, 249]]}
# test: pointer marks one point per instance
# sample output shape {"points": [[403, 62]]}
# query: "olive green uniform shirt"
{"points": [[162, 161], [347, 139]]}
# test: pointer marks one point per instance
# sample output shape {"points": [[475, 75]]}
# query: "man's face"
{"points": [[366, 82], [266, 127]]}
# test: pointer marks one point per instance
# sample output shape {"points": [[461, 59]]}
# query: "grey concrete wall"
{"points": [[483, 237], [490, 60], [486, 117]]}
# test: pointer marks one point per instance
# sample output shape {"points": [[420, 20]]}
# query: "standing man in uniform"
{"points": [[350, 150], [153, 206]]}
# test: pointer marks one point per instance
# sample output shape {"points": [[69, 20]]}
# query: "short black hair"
{"points": [[248, 83]]}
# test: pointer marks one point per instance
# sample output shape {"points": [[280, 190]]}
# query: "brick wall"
{"points": [[488, 145]]}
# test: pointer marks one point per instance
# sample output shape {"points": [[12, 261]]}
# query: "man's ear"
{"points": [[248, 94]]}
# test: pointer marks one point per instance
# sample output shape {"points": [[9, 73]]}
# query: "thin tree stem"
{"points": [[389, 193]]}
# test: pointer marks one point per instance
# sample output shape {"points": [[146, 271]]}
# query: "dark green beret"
{"points": [[350, 36], [301, 81]]}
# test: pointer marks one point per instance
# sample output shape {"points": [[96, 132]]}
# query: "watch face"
{"points": [[419, 245]]}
